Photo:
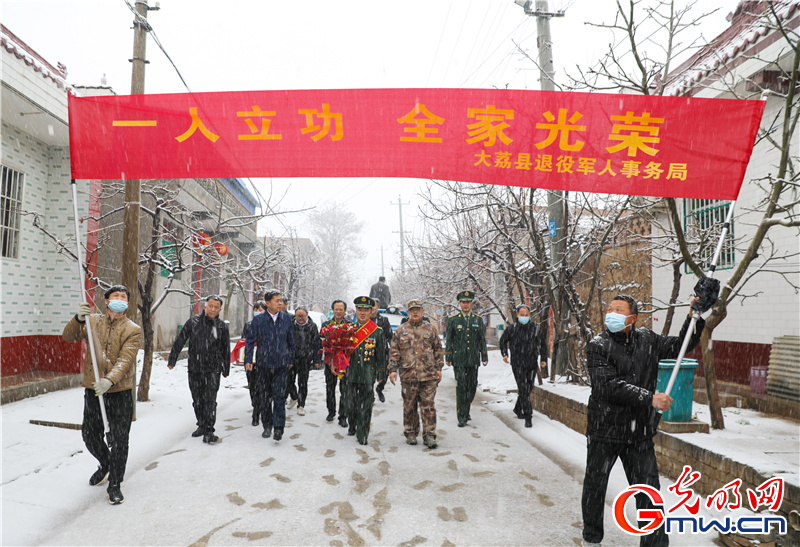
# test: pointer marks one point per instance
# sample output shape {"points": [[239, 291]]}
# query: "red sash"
{"points": [[364, 332]]}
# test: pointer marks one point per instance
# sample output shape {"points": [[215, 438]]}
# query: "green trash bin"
{"points": [[682, 390]]}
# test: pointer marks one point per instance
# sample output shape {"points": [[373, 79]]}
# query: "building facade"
{"points": [[750, 60]]}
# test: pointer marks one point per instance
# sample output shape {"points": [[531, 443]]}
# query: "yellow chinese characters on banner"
{"points": [[257, 134], [635, 133], [489, 125], [420, 127], [327, 117]]}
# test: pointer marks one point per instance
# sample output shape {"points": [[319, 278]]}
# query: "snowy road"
{"points": [[486, 484]]}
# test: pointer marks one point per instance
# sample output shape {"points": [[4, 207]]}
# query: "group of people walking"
{"points": [[280, 349]]}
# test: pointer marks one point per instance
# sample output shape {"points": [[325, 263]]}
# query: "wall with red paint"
{"points": [[733, 360], [47, 353]]}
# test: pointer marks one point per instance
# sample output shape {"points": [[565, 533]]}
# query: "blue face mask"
{"points": [[117, 306], [524, 320], [255, 313], [615, 322]]}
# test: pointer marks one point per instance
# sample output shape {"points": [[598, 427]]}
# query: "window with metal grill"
{"points": [[10, 207], [703, 220]]}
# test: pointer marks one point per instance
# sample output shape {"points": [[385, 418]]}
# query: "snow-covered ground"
{"points": [[491, 483], [768, 444]]}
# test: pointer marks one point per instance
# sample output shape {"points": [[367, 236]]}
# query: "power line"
{"points": [[146, 25]]}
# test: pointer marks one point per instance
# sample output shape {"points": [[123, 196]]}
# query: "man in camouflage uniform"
{"points": [[465, 350], [417, 353], [367, 363]]}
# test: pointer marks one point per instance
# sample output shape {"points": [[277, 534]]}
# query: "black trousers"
{"points": [[297, 384], [119, 410], [524, 377], [639, 462], [330, 393], [272, 393], [252, 386], [204, 387]]}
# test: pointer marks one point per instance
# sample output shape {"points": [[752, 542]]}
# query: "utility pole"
{"points": [[402, 235], [130, 237], [556, 202], [383, 274]]}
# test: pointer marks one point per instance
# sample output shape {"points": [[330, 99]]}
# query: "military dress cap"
{"points": [[364, 302], [416, 303], [466, 296]]}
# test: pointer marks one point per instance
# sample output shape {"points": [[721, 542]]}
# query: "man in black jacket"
{"points": [[209, 356], [384, 324], [307, 344], [623, 367], [252, 379], [526, 341]]}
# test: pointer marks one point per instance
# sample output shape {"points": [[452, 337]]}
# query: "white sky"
{"points": [[261, 45]]}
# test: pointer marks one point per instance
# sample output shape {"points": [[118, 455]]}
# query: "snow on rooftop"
{"points": [[744, 31], [21, 50]]}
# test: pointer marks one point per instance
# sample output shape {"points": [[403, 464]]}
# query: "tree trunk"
{"points": [[146, 293], [716, 317], [143, 393], [673, 298]]}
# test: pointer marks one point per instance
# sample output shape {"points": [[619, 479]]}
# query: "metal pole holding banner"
{"points": [[695, 313], [89, 337]]}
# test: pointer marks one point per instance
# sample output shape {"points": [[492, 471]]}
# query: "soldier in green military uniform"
{"points": [[367, 364], [465, 349]]}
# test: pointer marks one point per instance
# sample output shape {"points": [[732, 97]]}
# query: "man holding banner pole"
{"points": [[623, 366], [121, 340]]}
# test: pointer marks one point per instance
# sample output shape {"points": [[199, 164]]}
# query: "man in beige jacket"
{"points": [[117, 340]]}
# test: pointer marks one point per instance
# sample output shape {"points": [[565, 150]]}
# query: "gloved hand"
{"points": [[102, 386], [84, 309]]}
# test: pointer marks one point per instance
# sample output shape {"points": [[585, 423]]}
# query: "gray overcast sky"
{"points": [[267, 44]]}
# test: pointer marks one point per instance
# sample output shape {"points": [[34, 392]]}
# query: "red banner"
{"points": [[592, 142]]}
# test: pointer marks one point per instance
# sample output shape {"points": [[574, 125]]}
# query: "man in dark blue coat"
{"points": [[273, 335], [623, 366]]}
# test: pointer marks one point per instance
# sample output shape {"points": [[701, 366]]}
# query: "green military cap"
{"points": [[466, 296], [416, 303], [364, 302]]}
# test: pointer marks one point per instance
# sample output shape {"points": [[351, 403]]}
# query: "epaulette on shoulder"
{"points": [[455, 314]]}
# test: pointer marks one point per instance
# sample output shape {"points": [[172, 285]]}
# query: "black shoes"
{"points": [[198, 432], [210, 438], [331, 416], [343, 422], [411, 440], [114, 494], [98, 476], [267, 433], [362, 441], [528, 422], [462, 424], [430, 442], [351, 430], [381, 396], [278, 435], [519, 415], [255, 420]]}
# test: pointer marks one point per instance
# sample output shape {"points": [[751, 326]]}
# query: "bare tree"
{"points": [[335, 232], [649, 39]]}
